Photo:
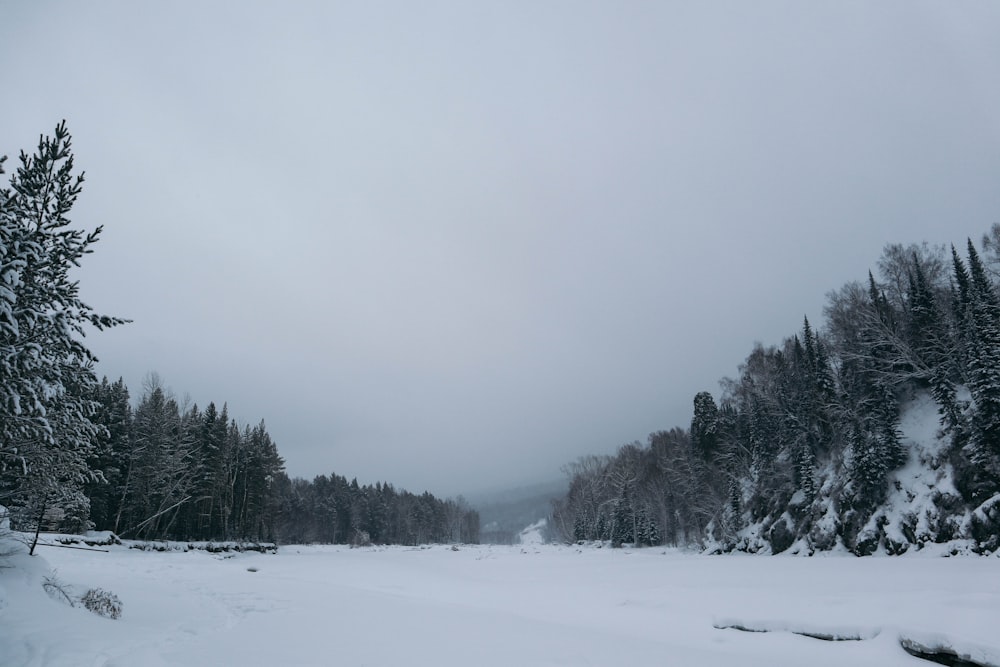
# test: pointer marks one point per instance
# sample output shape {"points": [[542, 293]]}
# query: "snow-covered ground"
{"points": [[529, 604]]}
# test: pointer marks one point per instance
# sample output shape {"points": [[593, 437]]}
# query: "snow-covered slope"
{"points": [[922, 508]]}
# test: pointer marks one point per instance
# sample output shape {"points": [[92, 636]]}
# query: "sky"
{"points": [[457, 245]]}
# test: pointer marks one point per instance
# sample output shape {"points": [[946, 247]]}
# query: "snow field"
{"points": [[524, 605]]}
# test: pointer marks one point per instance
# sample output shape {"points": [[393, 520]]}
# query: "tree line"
{"points": [[329, 509], [74, 452], [801, 446], [171, 472]]}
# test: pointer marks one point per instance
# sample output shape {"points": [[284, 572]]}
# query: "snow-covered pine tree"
{"points": [[981, 324], [867, 469], [704, 425], [46, 372], [208, 458], [804, 467], [111, 452], [254, 467], [158, 478], [933, 344]]}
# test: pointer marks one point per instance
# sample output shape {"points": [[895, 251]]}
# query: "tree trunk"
{"points": [[38, 526]]}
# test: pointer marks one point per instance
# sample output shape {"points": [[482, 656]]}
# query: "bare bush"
{"points": [[58, 590]]}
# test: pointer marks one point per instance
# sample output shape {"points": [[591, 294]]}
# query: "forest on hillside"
{"points": [[802, 446]]}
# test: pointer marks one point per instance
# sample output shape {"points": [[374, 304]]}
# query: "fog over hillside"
{"points": [[503, 514]]}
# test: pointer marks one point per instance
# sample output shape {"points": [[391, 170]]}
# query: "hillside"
{"points": [[879, 431], [923, 508], [504, 514]]}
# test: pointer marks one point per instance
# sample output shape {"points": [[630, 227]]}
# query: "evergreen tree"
{"points": [[46, 376], [933, 345], [110, 454], [868, 469], [254, 502], [704, 424], [804, 462], [209, 463], [159, 479], [980, 312]]}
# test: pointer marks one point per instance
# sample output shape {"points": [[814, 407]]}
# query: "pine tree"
{"points": [[868, 469], [932, 343], [159, 478], [209, 480], [110, 454], [980, 312], [804, 462], [704, 425], [46, 376], [254, 469]]}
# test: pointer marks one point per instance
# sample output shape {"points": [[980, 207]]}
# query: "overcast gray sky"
{"points": [[455, 245]]}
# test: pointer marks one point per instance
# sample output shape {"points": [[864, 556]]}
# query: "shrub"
{"points": [[102, 603]]}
